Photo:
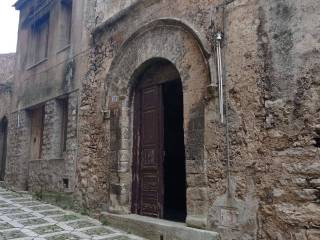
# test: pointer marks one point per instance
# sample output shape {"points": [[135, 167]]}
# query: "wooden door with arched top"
{"points": [[159, 172]]}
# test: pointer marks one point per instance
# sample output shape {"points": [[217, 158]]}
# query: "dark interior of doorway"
{"points": [[174, 160], [3, 146]]}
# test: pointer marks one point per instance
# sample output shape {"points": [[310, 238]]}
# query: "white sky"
{"points": [[9, 20]]}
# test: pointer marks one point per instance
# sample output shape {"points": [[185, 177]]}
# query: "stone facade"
{"points": [[7, 62], [7, 66], [270, 54], [6, 82], [55, 76]]}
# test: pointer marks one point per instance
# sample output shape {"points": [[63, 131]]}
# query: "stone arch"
{"points": [[177, 43]]}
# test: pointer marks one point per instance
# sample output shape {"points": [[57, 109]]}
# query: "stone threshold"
{"points": [[156, 229]]}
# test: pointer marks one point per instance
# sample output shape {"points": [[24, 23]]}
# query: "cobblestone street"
{"points": [[23, 218]]}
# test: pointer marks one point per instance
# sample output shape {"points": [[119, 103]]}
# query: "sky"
{"points": [[9, 20]]}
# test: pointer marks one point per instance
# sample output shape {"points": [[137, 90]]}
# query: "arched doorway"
{"points": [[3, 146], [159, 171], [180, 45]]}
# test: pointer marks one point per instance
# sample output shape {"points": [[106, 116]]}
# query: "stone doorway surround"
{"points": [[176, 42]]}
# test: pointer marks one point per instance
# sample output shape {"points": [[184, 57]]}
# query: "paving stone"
{"points": [[22, 200], [81, 224], [65, 218], [47, 229], [33, 222], [9, 196], [30, 204], [41, 208], [52, 212], [99, 231], [12, 234], [5, 226], [47, 222], [10, 211], [120, 238], [4, 205], [20, 216], [63, 237]]}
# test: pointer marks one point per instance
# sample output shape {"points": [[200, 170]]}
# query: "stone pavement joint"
{"points": [[22, 218]]}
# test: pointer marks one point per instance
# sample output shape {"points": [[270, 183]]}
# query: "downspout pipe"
{"points": [[219, 37], [223, 106]]}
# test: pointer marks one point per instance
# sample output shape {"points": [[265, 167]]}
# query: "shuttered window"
{"points": [[65, 23], [38, 40], [37, 120]]}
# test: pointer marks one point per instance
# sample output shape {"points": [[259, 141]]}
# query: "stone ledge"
{"points": [[156, 229]]}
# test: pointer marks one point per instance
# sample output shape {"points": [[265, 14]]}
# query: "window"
{"points": [[37, 120], [38, 40], [65, 23], [63, 103]]}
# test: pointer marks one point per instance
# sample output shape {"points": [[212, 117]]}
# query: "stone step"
{"points": [[156, 229]]}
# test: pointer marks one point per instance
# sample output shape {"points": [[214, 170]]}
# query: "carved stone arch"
{"points": [[200, 41], [177, 43]]}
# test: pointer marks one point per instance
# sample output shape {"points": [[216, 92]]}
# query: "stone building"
{"points": [[203, 112], [6, 80], [51, 62]]}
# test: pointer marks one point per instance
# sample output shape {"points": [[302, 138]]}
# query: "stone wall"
{"points": [[270, 54], [92, 167], [271, 68], [18, 150], [55, 172], [56, 76], [291, 93], [106, 9], [7, 63]]}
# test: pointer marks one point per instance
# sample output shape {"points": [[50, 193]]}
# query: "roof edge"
{"points": [[20, 4]]}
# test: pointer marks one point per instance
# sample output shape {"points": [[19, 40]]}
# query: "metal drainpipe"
{"points": [[223, 105], [219, 37]]}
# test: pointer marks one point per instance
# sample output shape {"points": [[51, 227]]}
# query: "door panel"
{"points": [[36, 132], [149, 157]]}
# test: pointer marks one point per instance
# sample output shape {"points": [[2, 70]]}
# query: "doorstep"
{"points": [[156, 229]]}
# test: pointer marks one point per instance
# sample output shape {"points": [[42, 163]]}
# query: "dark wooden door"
{"points": [[3, 147], [148, 152], [37, 119]]}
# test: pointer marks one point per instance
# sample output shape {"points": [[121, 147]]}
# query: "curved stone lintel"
{"points": [[174, 22], [204, 45]]}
